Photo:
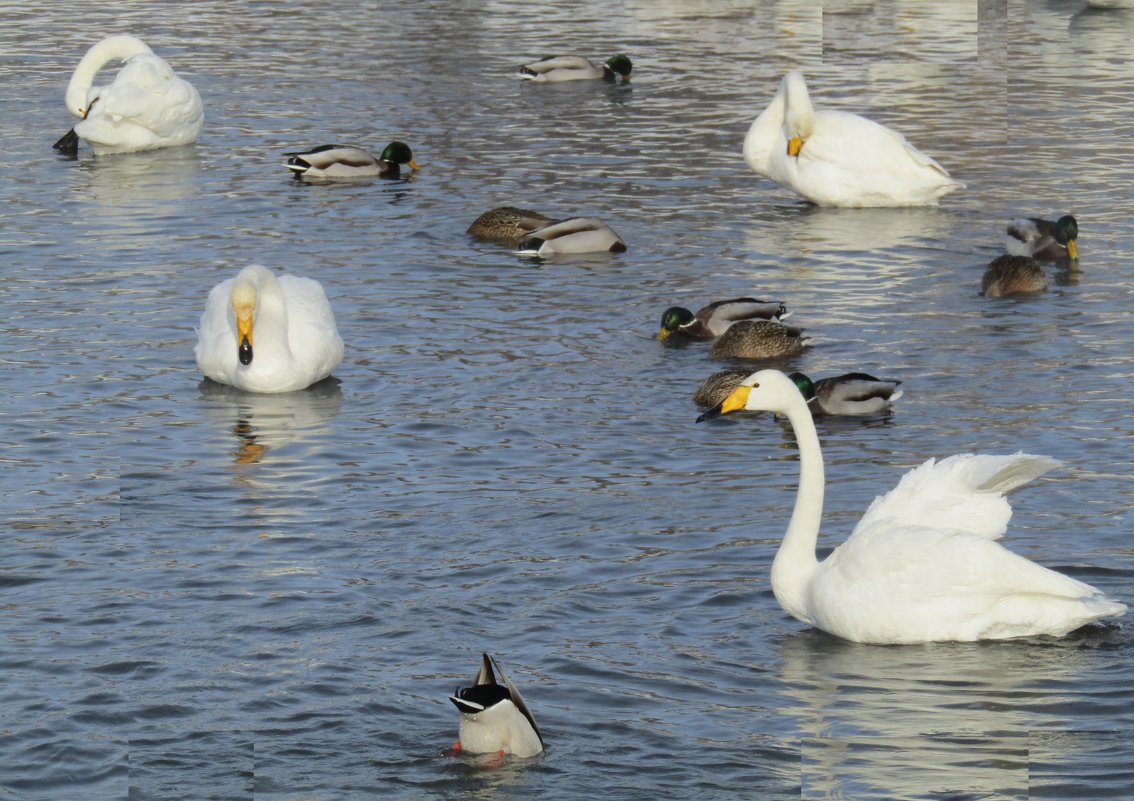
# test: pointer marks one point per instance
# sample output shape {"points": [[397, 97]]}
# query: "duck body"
{"points": [[557, 69], [835, 158], [759, 339], [260, 333], [574, 235], [1044, 240], [714, 319], [351, 161], [1012, 275], [494, 718], [923, 564], [714, 389], [146, 107], [849, 394], [508, 225]]}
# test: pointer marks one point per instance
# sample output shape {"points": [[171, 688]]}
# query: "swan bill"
{"points": [[245, 351], [68, 144], [735, 402], [794, 145]]}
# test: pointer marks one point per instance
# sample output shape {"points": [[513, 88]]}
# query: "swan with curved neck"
{"points": [[923, 564], [144, 108], [266, 334]]}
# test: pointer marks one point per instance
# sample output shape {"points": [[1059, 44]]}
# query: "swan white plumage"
{"points": [[261, 333], [145, 108], [923, 564], [835, 158]]}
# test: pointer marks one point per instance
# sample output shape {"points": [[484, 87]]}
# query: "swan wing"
{"points": [[147, 93], [311, 330], [963, 493], [216, 337]]}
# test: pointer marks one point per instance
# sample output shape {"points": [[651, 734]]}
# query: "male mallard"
{"points": [[146, 106], [494, 717], [555, 69], [1043, 239], [1012, 275], [713, 320], [835, 158], [574, 235], [847, 394], [350, 161], [508, 225], [758, 339]]}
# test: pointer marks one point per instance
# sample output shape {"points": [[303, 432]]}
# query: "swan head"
{"points": [[243, 300], [799, 116], [673, 320], [618, 65], [763, 391], [1066, 232], [399, 153]]}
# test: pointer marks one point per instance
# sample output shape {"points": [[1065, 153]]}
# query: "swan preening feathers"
{"points": [[261, 333], [835, 158], [923, 564], [146, 106], [494, 718]]}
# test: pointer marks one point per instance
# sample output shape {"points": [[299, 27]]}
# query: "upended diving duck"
{"points": [[494, 717]]}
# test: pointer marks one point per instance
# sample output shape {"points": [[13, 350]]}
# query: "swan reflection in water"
{"points": [[917, 721], [265, 423]]}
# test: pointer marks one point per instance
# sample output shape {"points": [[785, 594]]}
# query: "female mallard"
{"points": [[145, 108], [1043, 239], [574, 235], [349, 161], [720, 385], [508, 225], [847, 394], [1012, 275], [759, 339], [494, 718], [555, 69], [713, 320], [834, 158]]}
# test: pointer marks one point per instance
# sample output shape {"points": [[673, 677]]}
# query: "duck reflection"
{"points": [[263, 423], [915, 721]]}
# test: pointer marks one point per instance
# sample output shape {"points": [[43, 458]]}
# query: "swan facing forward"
{"points": [[923, 564], [835, 158], [261, 333], [494, 717], [145, 108]]}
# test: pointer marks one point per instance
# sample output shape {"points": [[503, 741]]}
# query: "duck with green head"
{"points": [[678, 324], [1043, 239], [556, 69], [351, 161], [849, 394]]}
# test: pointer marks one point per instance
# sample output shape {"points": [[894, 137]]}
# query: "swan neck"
{"points": [[115, 47], [795, 561]]}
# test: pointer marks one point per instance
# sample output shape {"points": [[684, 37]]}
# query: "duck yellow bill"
{"points": [[413, 165], [1072, 249], [663, 334], [794, 145]]}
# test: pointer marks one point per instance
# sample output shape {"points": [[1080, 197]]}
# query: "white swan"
{"points": [[146, 107], [834, 158], [265, 334], [923, 564]]}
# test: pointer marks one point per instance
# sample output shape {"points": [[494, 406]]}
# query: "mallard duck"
{"points": [[555, 69], [713, 320], [574, 235], [350, 161], [923, 564], [494, 717], [146, 106], [508, 225], [849, 394], [1012, 275], [758, 339], [261, 333], [1043, 239], [834, 158], [720, 385]]}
